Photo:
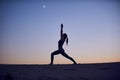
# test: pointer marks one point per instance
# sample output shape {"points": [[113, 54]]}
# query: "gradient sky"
{"points": [[30, 31]]}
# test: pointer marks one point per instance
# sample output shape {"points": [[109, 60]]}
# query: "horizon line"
{"points": [[64, 63]]}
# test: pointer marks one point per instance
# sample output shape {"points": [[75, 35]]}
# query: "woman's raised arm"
{"points": [[61, 32]]}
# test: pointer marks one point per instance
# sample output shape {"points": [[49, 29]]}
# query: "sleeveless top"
{"points": [[60, 44]]}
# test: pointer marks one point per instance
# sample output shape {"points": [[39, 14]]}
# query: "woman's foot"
{"points": [[74, 63], [51, 64]]}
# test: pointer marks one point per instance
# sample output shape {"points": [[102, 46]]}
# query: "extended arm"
{"points": [[61, 32]]}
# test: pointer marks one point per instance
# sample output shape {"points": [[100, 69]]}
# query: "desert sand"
{"points": [[98, 71]]}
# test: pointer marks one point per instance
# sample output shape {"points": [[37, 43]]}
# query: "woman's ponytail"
{"points": [[67, 40]]}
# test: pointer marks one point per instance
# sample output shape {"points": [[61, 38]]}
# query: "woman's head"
{"points": [[65, 37]]}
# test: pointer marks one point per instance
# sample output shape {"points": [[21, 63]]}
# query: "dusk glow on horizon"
{"points": [[30, 30]]}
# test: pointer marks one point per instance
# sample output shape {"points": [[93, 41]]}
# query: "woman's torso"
{"points": [[60, 44]]}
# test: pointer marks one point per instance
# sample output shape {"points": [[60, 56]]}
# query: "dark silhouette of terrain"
{"points": [[98, 71]]}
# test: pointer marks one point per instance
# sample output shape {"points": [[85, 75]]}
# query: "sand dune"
{"points": [[105, 71]]}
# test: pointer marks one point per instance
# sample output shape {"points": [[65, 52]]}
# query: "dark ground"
{"points": [[101, 71]]}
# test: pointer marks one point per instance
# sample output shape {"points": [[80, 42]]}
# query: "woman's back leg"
{"points": [[65, 55]]}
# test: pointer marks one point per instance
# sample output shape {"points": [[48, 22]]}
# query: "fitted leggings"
{"points": [[62, 52]]}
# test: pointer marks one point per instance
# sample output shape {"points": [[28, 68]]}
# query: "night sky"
{"points": [[30, 30]]}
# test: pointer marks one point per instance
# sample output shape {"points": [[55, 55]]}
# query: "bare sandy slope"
{"points": [[106, 71]]}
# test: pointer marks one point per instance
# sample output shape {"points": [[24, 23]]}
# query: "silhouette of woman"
{"points": [[63, 38]]}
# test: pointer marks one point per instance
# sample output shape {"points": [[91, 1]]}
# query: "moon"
{"points": [[44, 6]]}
